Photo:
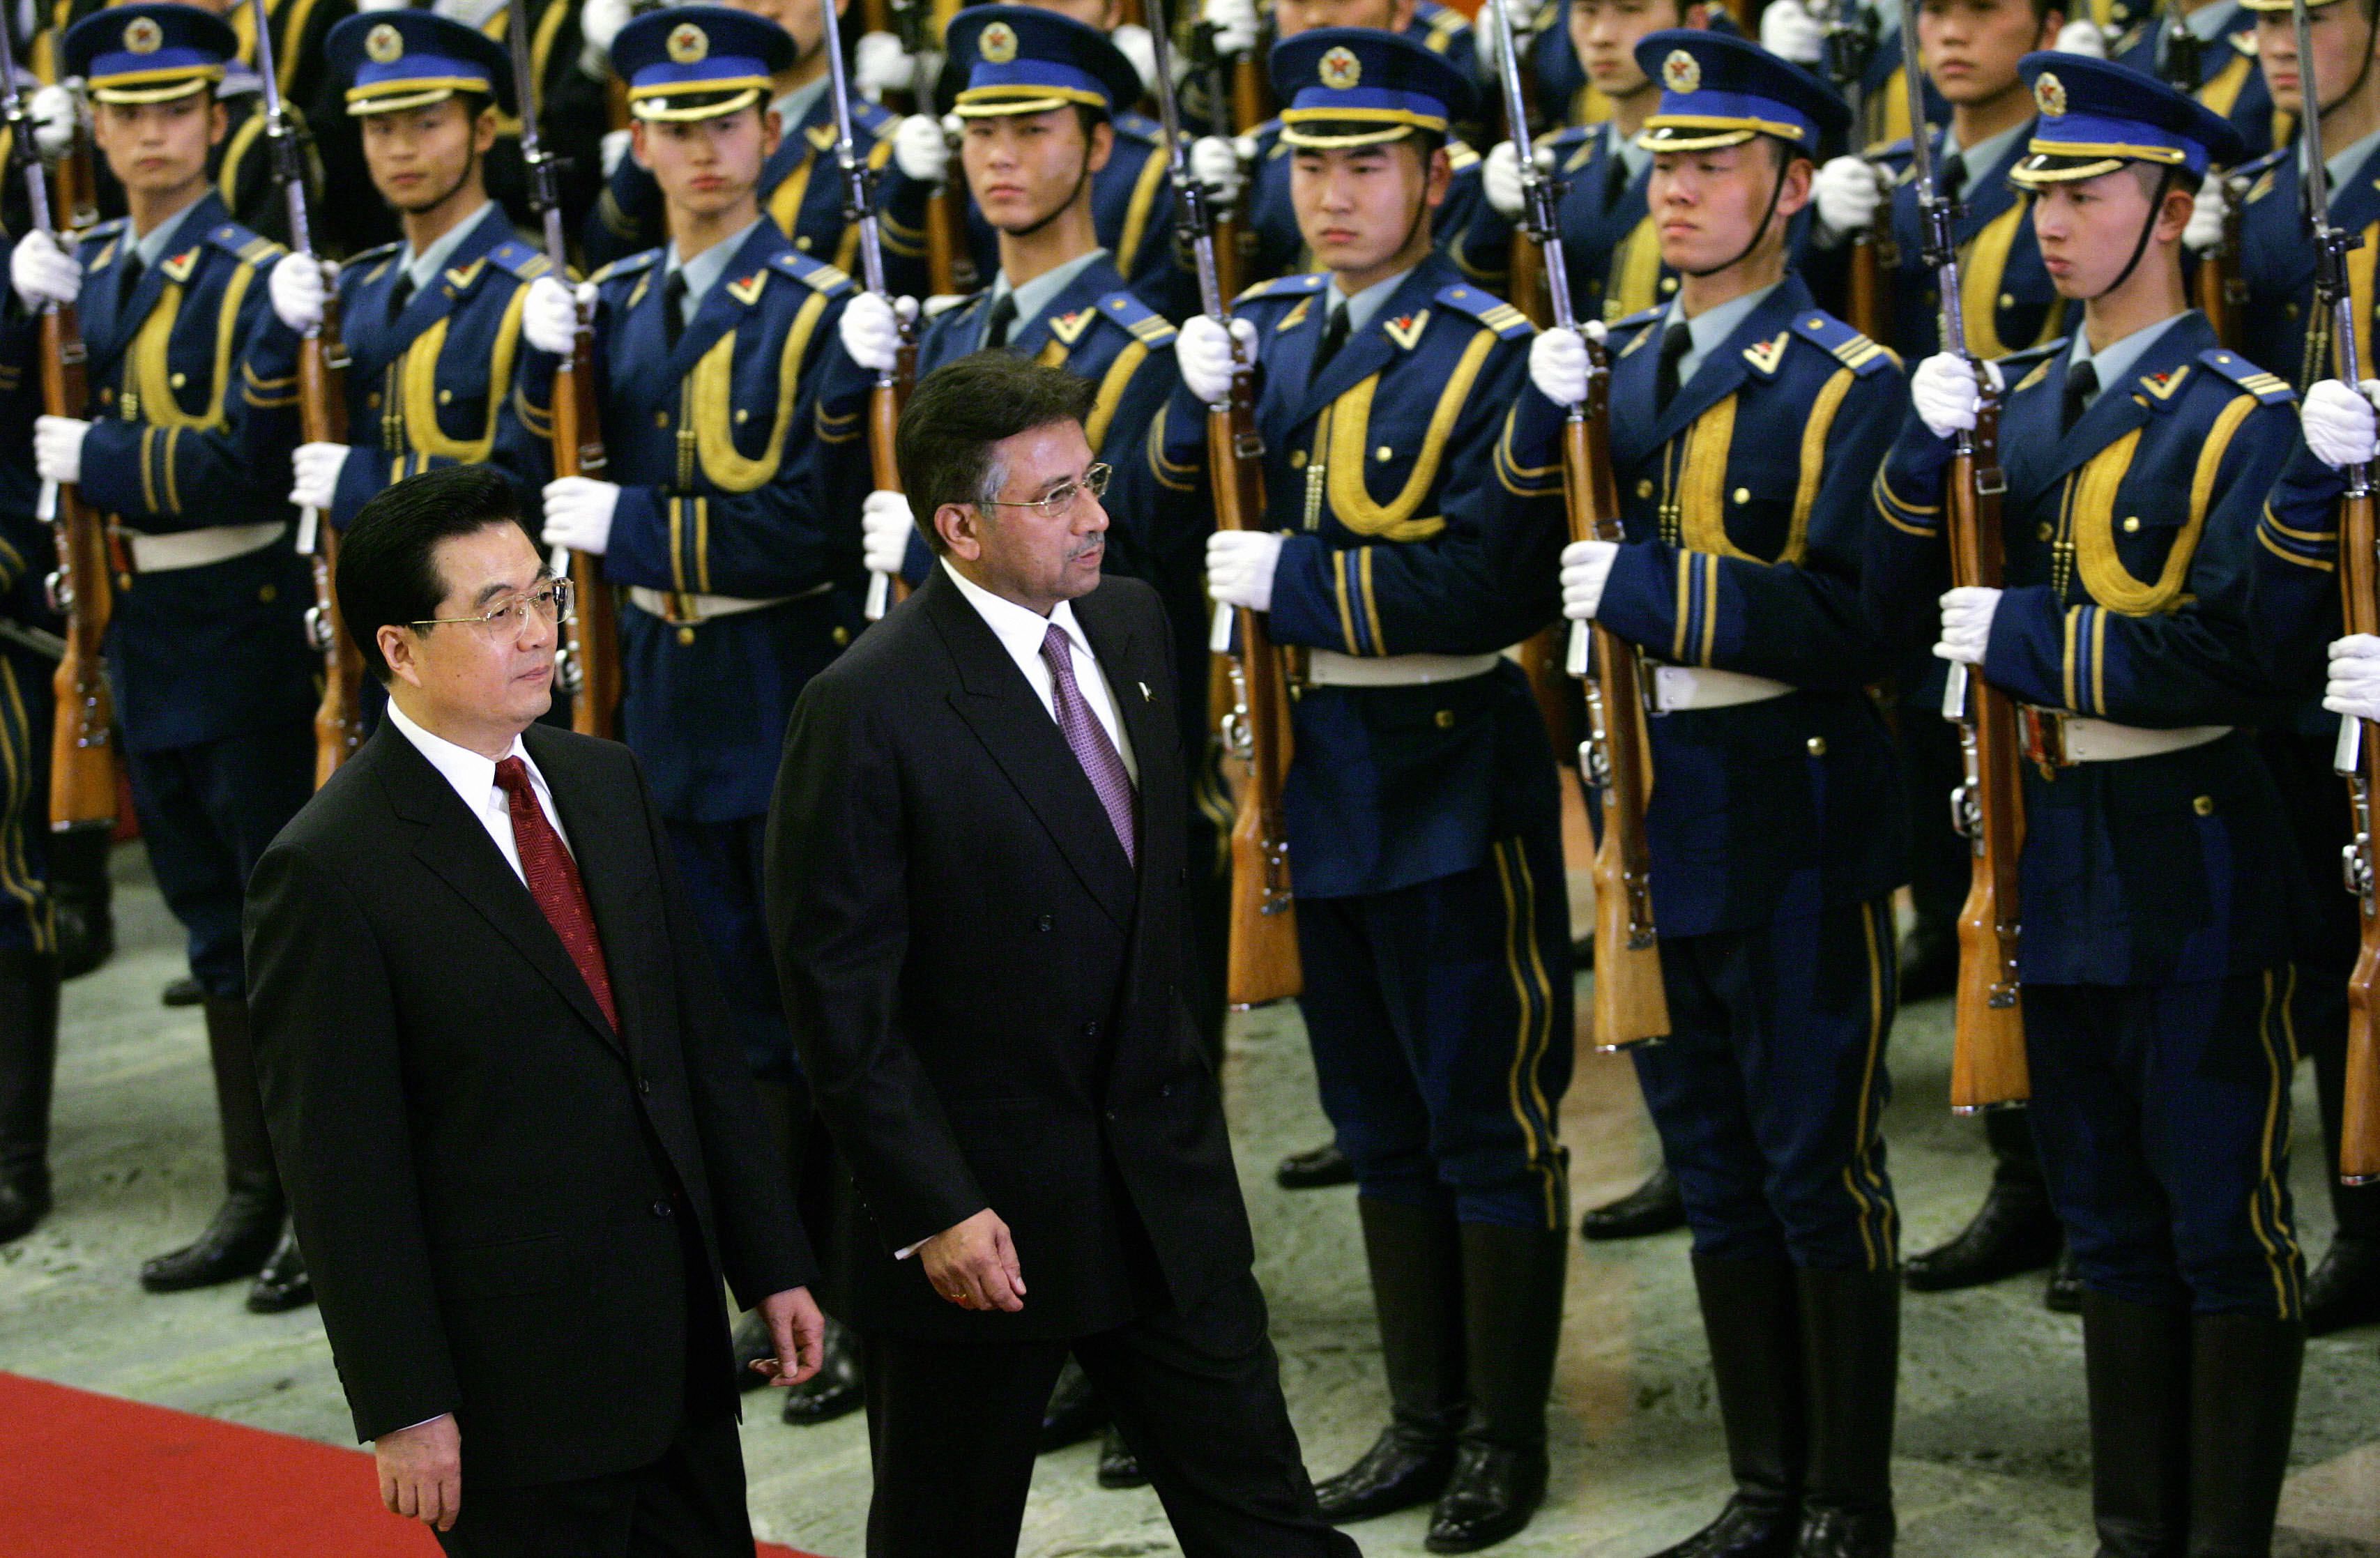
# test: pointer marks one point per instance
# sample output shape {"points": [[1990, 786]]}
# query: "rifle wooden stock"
{"points": [[592, 641], [884, 404], [82, 743], [1631, 1006], [942, 248], [1865, 289], [1987, 1060], [2358, 1132], [1251, 97], [1528, 289], [322, 416], [876, 15], [1263, 964], [78, 186], [1227, 255]]}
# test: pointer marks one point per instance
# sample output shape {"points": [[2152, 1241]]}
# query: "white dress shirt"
{"points": [[474, 778], [1021, 633]]}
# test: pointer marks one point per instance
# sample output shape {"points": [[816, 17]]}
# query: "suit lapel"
{"points": [[1723, 369], [1000, 706], [119, 326], [461, 275]]}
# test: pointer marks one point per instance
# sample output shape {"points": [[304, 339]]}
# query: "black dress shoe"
{"points": [[2013, 1231], [1119, 1467], [1745, 1528], [834, 1391], [1074, 1412], [1324, 1166], [1654, 1206], [1492, 1495], [1838, 1533], [184, 992], [24, 1201], [750, 1342], [282, 1284], [236, 1244], [2344, 1290], [2064, 1294], [1398, 1471]]}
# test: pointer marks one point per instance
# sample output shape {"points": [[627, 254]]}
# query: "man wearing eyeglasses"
{"points": [[503, 1085]]}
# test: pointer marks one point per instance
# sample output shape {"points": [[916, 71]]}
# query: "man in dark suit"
{"points": [[975, 883], [502, 1083]]}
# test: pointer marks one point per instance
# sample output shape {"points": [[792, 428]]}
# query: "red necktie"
{"points": [[553, 883]]}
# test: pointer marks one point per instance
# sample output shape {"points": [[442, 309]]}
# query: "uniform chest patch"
{"points": [[1406, 330]]}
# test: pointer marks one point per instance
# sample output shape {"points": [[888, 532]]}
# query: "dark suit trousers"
{"points": [[690, 1503], [953, 1428]]}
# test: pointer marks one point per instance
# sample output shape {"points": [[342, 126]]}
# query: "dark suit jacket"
{"points": [[493, 1187], [986, 995]]}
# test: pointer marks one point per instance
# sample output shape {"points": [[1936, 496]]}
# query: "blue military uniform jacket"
{"points": [[711, 444], [2129, 542], [427, 386], [194, 654], [1465, 229], [1400, 543], [2231, 83], [2009, 303], [1744, 508], [2281, 330]]}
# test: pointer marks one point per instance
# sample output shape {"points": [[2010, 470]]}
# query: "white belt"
{"points": [[1329, 668], [670, 606], [196, 549], [1679, 687], [2061, 740]]}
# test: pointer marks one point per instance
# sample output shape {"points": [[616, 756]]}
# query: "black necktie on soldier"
{"points": [[1334, 335], [673, 308], [2082, 384], [997, 324], [1676, 341]]}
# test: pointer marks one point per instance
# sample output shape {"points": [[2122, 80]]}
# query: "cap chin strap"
{"points": [[2140, 246], [1759, 229]]}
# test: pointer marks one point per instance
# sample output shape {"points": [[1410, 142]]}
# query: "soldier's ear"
{"points": [[1439, 177], [637, 144], [484, 130], [773, 130], [218, 124], [1102, 145]]}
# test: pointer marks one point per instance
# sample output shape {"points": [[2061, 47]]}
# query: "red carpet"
{"points": [[85, 1476]]}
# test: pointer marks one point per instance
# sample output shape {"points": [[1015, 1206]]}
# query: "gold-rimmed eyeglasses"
{"points": [[1093, 482], [551, 600]]}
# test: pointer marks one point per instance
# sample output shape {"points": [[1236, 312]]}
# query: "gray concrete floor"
{"points": [[1991, 1453]]}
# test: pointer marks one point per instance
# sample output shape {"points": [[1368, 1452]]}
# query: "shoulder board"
{"points": [[1148, 326], [1847, 346], [2266, 387], [372, 256], [2129, 42], [1444, 21], [1285, 286], [100, 231], [628, 266], [2023, 369], [1139, 125], [1461, 157], [1637, 321], [517, 259], [1487, 309], [2254, 166], [1569, 136], [1905, 146], [873, 117], [2244, 42], [242, 244], [942, 303], [816, 273]]}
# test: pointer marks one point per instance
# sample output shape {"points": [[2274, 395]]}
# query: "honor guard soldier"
{"points": [[207, 651], [1746, 425], [801, 187], [2286, 331], [431, 324], [1422, 815], [2211, 53], [573, 102], [2159, 887], [738, 588]]}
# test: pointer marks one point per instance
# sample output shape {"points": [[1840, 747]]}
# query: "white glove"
{"points": [[1790, 31], [2209, 209], [57, 448], [315, 469], [1585, 569], [1204, 354], [1944, 391], [298, 284], [1501, 177], [1215, 163], [871, 330], [1132, 42], [885, 526], [2354, 686], [599, 22], [2338, 422], [1967, 623], [550, 316], [880, 65], [41, 271], [1558, 361], [2081, 36], [1235, 22], [921, 148], [1847, 193], [613, 148], [53, 113], [579, 514], [1240, 566]]}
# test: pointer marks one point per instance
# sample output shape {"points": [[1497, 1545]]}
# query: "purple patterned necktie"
{"points": [[1102, 762]]}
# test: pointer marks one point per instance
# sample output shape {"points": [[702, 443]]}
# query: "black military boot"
{"points": [[248, 1224], [2243, 1404], [1074, 1412], [1512, 1322], [82, 897], [1416, 1264], [1752, 1319], [29, 1062], [1654, 1206], [2013, 1231], [1315, 1170], [283, 1286], [1850, 1358], [2136, 1369]]}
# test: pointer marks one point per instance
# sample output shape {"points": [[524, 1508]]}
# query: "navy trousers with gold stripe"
{"points": [[2162, 1112], [1439, 1016], [27, 923], [1770, 1087]]}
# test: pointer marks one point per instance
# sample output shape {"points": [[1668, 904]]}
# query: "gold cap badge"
{"points": [[384, 44], [688, 44], [998, 43], [2049, 95], [143, 36], [1340, 69], [1681, 72]]}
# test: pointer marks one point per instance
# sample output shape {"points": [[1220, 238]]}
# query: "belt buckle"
{"points": [[2043, 732]]}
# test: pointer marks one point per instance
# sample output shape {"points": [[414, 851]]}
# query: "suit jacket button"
{"points": [[1090, 1030], [644, 1084], [661, 1207], [1165, 1091], [1046, 921]]}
